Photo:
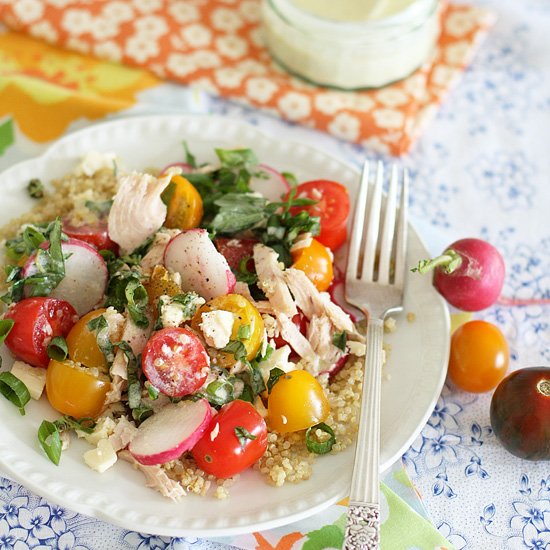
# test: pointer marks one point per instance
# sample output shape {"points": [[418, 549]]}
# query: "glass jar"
{"points": [[351, 54]]}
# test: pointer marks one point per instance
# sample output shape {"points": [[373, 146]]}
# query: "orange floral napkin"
{"points": [[217, 45]]}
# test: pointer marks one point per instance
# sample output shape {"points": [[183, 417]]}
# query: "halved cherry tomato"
{"points": [[479, 356], [236, 250], [185, 208], [37, 321], [96, 234], [235, 439], [315, 261], [82, 343], [161, 283], [74, 390], [296, 402], [245, 315], [332, 207], [175, 361]]}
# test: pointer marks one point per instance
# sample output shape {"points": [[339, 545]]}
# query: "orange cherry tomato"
{"points": [[82, 343], [74, 390], [479, 356], [297, 401], [185, 207], [315, 261], [246, 318]]}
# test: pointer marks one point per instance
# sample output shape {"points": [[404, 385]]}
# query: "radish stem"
{"points": [[450, 260]]}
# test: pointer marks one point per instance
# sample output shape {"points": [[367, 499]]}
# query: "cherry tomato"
{"points": [[300, 321], [235, 439], [296, 402], [235, 250], [161, 283], [96, 234], [315, 261], [74, 390], [185, 208], [82, 343], [37, 321], [246, 317], [332, 207], [175, 361], [479, 356], [520, 413]]}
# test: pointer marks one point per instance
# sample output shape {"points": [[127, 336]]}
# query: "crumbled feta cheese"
{"points": [[271, 325], [93, 161], [104, 427], [214, 433], [102, 457], [172, 315], [33, 377], [277, 359], [115, 322], [217, 327], [356, 348]]}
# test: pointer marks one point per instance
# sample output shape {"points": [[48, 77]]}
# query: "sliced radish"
{"points": [[202, 268], [166, 435], [336, 291], [186, 168], [86, 275], [273, 187]]}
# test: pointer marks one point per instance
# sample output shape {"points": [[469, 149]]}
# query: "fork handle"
{"points": [[363, 524]]}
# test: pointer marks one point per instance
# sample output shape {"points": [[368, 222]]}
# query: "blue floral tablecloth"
{"points": [[482, 169]]}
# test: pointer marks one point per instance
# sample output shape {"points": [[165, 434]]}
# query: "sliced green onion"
{"points": [[14, 390], [50, 440], [58, 349], [35, 188], [5, 327], [316, 446]]}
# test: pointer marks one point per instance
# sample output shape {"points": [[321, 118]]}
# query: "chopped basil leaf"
{"points": [[152, 392], [237, 158], [243, 274], [168, 193], [58, 349], [100, 326], [141, 413], [320, 447], [189, 158], [244, 436], [67, 422], [253, 382], [14, 390], [189, 302], [5, 327], [339, 339], [244, 332], [126, 290], [237, 212], [50, 440], [274, 375], [133, 368], [35, 188], [291, 179], [236, 347]]}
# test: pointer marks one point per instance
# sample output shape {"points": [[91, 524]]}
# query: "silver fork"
{"points": [[377, 289]]}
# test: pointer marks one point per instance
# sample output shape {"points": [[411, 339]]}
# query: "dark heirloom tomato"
{"points": [[520, 413]]}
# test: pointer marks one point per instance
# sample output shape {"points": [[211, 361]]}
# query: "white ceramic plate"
{"points": [[417, 363]]}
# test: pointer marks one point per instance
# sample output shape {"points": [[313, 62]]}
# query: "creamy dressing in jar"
{"points": [[342, 44]]}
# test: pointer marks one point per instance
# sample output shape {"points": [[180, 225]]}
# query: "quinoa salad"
{"points": [[185, 319]]}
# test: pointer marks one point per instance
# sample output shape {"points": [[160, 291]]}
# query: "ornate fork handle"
{"points": [[363, 527]]}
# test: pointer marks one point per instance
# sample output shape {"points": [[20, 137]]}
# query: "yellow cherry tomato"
{"points": [[161, 283], [75, 390], [296, 402], [247, 322], [185, 208], [82, 343], [315, 261]]}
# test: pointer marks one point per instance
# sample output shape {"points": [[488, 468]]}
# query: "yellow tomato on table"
{"points": [[248, 325], [296, 402], [74, 390]]}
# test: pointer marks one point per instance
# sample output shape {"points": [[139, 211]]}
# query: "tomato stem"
{"points": [[450, 260]]}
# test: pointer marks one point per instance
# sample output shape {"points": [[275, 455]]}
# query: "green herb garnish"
{"points": [[100, 327], [35, 188], [58, 349], [320, 447], [274, 375], [49, 438], [244, 436], [14, 390], [339, 339], [5, 328]]}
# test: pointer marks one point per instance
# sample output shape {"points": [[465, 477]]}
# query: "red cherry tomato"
{"points": [[175, 361], [520, 413], [479, 356], [332, 207], [37, 321], [235, 439], [300, 320], [235, 250], [96, 234]]}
